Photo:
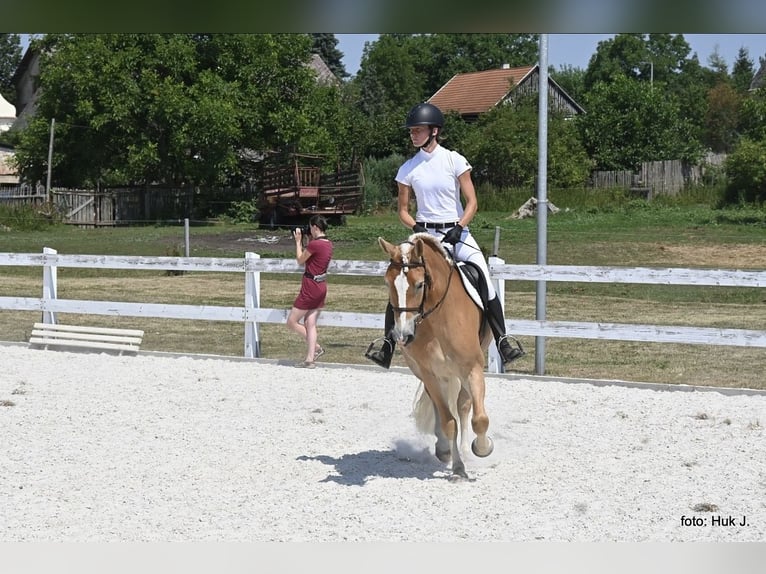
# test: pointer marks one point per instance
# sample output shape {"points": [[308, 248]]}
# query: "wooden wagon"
{"points": [[293, 187]]}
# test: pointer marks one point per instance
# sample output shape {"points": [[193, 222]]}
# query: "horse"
{"points": [[443, 337]]}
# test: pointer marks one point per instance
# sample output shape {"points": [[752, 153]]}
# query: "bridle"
{"points": [[421, 315]]}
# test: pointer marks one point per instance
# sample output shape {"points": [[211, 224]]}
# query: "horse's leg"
{"points": [[447, 427], [442, 447], [482, 445], [464, 408]]}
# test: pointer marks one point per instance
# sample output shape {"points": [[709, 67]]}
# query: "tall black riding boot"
{"points": [[385, 352], [497, 323]]}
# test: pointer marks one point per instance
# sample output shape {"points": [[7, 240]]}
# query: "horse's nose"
{"points": [[405, 335]]}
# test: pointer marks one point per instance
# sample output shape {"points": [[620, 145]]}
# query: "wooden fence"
{"points": [[123, 206], [251, 313], [658, 177]]}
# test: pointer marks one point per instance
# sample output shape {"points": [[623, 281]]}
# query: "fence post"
{"points": [[494, 364], [50, 290], [252, 301]]}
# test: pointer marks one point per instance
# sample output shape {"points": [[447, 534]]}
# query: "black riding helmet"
{"points": [[425, 114]]}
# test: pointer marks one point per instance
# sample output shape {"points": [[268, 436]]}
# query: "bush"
{"points": [[379, 186], [746, 173], [28, 217]]}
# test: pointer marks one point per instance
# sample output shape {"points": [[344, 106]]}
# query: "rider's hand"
{"points": [[417, 228], [453, 235]]}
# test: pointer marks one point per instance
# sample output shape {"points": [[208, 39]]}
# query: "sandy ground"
{"points": [[95, 447]]}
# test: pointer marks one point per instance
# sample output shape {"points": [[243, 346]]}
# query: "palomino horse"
{"points": [[443, 337]]}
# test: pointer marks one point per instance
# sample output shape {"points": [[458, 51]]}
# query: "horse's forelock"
{"points": [[404, 252]]}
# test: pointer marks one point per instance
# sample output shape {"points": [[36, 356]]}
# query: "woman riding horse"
{"points": [[438, 177]]}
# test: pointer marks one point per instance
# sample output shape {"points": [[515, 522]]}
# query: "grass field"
{"points": [[632, 234]]}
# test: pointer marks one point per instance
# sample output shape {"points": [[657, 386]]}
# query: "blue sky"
{"points": [[576, 49]]}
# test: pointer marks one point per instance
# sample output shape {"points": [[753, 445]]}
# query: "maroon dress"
{"points": [[313, 293]]}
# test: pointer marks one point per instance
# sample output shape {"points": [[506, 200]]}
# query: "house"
{"points": [[759, 80], [475, 93], [7, 114], [324, 74], [8, 174], [26, 80]]}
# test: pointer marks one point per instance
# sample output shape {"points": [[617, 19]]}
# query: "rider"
{"points": [[438, 176]]}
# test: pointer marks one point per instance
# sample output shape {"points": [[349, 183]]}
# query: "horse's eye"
{"points": [[419, 285]]}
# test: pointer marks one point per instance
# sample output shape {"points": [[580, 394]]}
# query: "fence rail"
{"points": [[251, 313]]}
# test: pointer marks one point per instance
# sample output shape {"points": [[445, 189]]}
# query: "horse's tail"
{"points": [[423, 411]]}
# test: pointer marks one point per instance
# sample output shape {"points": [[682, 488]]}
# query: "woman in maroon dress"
{"points": [[316, 257]]}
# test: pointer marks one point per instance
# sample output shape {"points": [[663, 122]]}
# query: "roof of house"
{"points": [[477, 92], [324, 74], [759, 80]]}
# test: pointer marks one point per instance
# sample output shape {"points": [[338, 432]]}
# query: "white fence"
{"points": [[251, 313]]}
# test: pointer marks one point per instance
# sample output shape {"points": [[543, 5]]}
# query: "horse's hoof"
{"points": [[443, 455], [458, 475], [475, 449]]}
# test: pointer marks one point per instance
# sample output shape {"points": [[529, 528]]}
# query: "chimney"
{"points": [[505, 67]]}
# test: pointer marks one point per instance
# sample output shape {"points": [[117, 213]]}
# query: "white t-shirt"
{"points": [[433, 177]]}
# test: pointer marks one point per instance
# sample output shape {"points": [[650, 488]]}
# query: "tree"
{"points": [[388, 86], [742, 71], [399, 70], [504, 148], [752, 117], [10, 57], [172, 108], [629, 122], [441, 56], [326, 46], [746, 173], [722, 118], [571, 80]]}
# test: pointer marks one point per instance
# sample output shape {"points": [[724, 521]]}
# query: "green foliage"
{"points": [[503, 148], [243, 212], [10, 56], [629, 122], [721, 118], [752, 117], [380, 189], [174, 108], [743, 71], [746, 173], [326, 46], [27, 217]]}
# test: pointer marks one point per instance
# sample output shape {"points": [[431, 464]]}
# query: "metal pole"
{"points": [[496, 245], [542, 199], [186, 237], [50, 161]]}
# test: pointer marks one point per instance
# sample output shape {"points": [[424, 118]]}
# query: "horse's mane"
{"points": [[433, 242]]}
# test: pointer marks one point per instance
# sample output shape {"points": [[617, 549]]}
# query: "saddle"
{"points": [[474, 282]]}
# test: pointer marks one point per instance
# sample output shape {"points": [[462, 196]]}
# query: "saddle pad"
{"points": [[470, 275]]}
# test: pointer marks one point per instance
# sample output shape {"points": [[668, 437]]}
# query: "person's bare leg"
{"points": [[293, 321], [310, 323]]}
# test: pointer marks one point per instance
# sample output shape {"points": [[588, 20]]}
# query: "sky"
{"points": [[576, 49]]}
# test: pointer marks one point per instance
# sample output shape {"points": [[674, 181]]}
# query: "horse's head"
{"points": [[410, 280]]}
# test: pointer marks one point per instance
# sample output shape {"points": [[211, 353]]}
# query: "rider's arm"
{"points": [[404, 206], [469, 195]]}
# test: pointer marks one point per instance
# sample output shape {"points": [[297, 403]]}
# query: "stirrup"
{"points": [[515, 353], [383, 355]]}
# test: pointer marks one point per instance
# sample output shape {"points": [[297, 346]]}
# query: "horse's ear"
{"points": [[386, 246], [418, 250]]}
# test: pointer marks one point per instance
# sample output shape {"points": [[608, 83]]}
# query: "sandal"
{"points": [[319, 352], [306, 365]]}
